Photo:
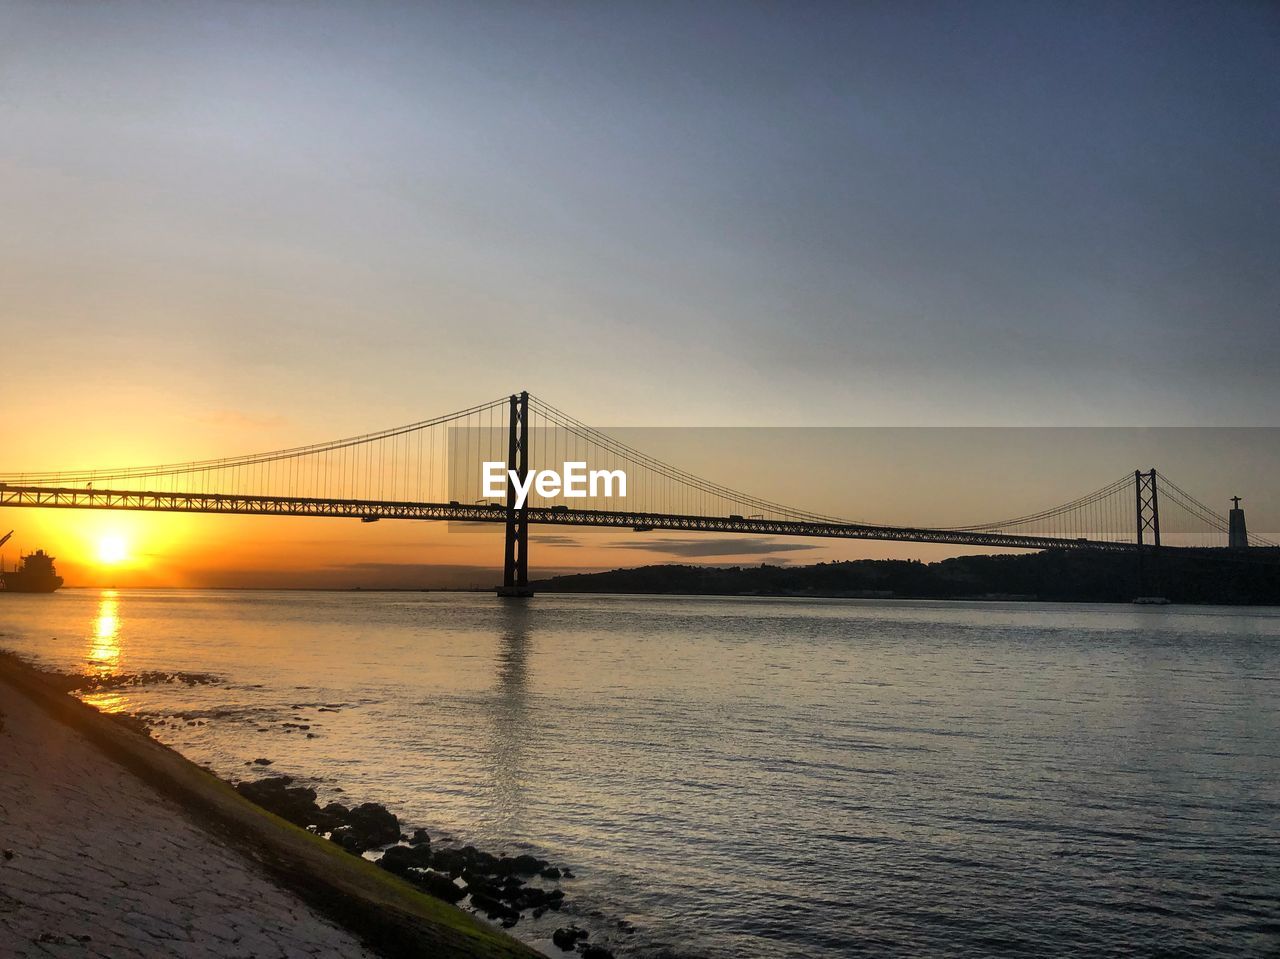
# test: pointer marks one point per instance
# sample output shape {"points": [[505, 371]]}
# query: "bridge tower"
{"points": [[1148, 505], [515, 565], [1237, 534], [1148, 515]]}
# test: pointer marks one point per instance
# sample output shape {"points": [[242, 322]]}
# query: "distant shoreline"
{"points": [[1192, 577], [1222, 577]]}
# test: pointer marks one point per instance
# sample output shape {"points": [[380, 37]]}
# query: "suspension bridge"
{"points": [[430, 470]]}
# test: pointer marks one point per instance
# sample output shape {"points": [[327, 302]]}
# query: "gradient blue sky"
{"points": [[233, 226], [342, 216]]}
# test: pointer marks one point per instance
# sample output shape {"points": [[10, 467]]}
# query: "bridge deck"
{"points": [[369, 510]]}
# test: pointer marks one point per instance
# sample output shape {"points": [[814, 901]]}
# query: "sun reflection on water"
{"points": [[103, 655], [104, 644], [109, 702]]}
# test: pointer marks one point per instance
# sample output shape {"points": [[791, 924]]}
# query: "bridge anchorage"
{"points": [[431, 470]]}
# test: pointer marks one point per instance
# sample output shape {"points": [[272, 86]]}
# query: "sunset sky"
{"points": [[231, 227]]}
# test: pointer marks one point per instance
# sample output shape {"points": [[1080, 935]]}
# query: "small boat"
{"points": [[35, 574], [1152, 601]]}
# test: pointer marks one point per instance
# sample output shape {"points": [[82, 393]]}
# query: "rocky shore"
{"points": [[502, 888]]}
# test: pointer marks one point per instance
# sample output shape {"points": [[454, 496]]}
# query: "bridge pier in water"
{"points": [[515, 555]]}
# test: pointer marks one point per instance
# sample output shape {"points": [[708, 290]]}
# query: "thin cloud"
{"points": [[695, 547], [554, 539]]}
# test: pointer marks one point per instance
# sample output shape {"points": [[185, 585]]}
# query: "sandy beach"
{"points": [[96, 863], [113, 845]]}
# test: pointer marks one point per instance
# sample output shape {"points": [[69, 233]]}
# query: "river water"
{"points": [[758, 777]]}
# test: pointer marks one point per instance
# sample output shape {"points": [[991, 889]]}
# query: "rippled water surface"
{"points": [[754, 777]]}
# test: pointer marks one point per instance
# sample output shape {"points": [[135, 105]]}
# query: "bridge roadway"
{"points": [[372, 510]]}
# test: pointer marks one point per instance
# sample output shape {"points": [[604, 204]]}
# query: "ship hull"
{"points": [[11, 583]]}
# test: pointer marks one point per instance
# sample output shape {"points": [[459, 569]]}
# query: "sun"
{"points": [[112, 549]]}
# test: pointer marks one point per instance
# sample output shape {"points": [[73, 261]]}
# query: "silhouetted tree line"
{"points": [[1209, 576]]}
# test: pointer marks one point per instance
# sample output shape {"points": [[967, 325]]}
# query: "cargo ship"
{"points": [[35, 574]]}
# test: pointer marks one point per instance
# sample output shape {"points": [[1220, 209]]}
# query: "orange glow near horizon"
{"points": [[154, 550]]}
